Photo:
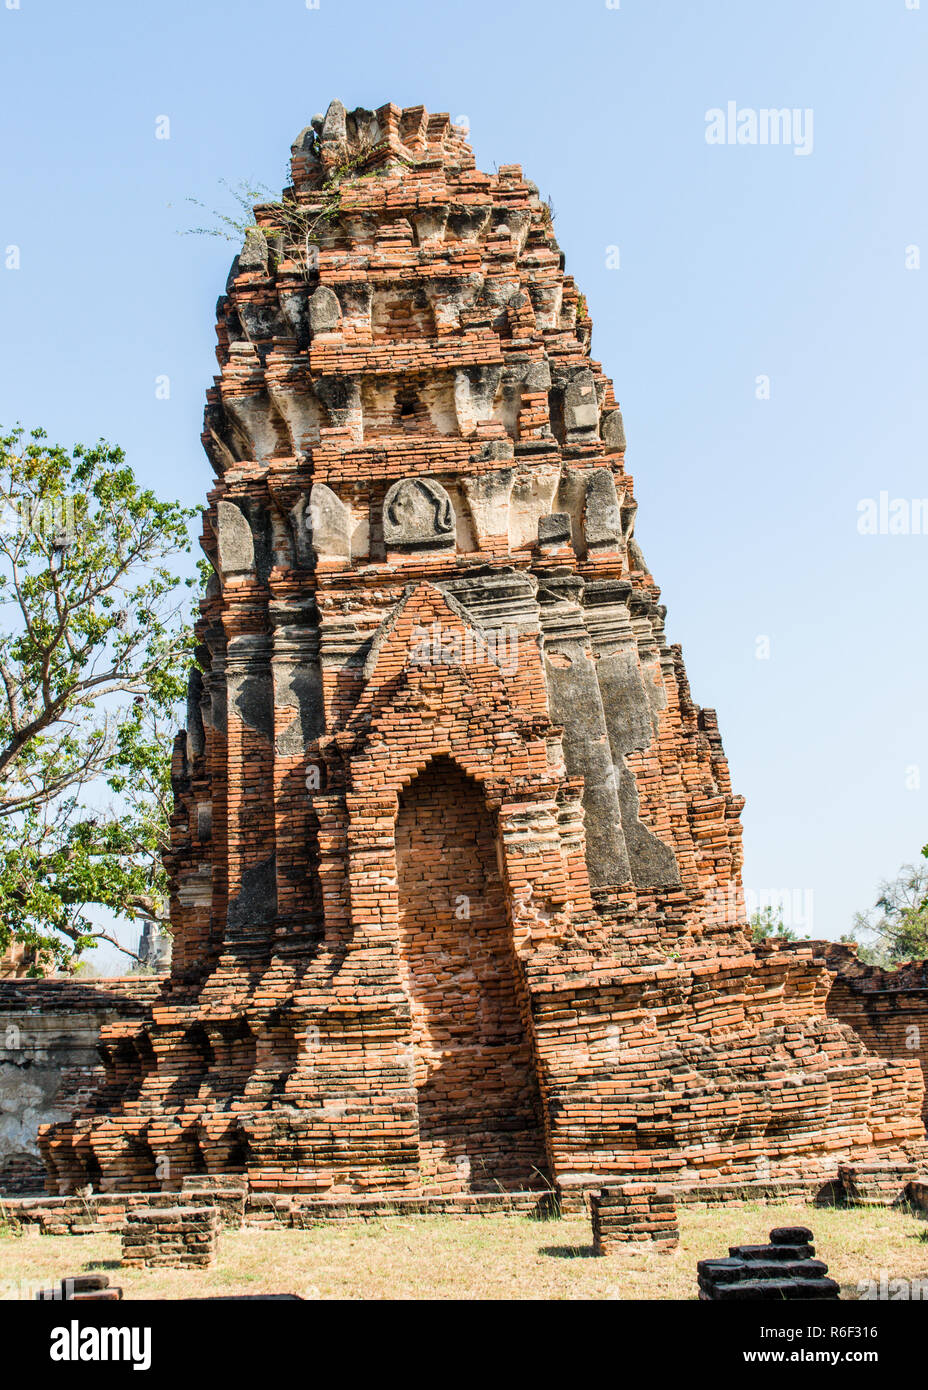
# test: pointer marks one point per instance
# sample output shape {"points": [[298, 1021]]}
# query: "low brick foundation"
{"points": [[874, 1184], [635, 1212], [108, 1213], [784, 1269], [227, 1194], [294, 1211], [574, 1198], [175, 1236]]}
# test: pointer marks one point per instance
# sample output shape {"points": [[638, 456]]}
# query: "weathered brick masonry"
{"points": [[50, 1067], [454, 851], [176, 1236], [640, 1212], [887, 1008]]}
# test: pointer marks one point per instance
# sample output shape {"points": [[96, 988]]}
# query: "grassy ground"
{"points": [[479, 1258]]}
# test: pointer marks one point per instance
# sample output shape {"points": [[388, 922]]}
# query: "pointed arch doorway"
{"points": [[479, 1106]]}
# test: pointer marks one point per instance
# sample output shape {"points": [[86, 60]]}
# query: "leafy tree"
{"points": [[93, 650], [767, 922], [896, 928]]}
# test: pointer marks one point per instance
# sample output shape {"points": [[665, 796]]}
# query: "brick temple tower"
{"points": [[456, 859]]}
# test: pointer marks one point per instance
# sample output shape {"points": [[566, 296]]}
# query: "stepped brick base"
{"points": [[49, 1065], [639, 1212], [784, 1269]]}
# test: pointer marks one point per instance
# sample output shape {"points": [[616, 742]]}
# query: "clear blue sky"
{"points": [[735, 262]]}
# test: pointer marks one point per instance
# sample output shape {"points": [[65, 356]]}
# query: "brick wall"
{"points": [[887, 1008]]}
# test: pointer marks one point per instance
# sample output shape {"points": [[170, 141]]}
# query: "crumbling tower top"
{"points": [[389, 137]]}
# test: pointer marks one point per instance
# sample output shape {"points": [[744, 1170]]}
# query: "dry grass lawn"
{"points": [[491, 1257]]}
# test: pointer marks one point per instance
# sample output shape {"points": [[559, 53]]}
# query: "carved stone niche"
{"points": [[236, 547], [325, 312], [581, 410], [488, 497], [612, 430], [418, 515], [602, 523], [321, 527], [554, 532]]}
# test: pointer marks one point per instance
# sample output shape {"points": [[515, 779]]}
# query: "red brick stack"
{"points": [[180, 1237], [643, 1213], [455, 858]]}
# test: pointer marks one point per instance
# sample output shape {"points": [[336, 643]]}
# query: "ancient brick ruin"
{"points": [[454, 851], [15, 961], [887, 1008], [642, 1213], [180, 1237], [49, 1064]]}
